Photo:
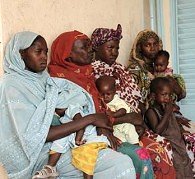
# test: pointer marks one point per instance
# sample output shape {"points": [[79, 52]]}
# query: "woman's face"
{"points": [[81, 53], [150, 48], [35, 57], [108, 52]]}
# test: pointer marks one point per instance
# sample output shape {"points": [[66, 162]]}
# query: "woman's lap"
{"points": [[108, 165], [140, 158]]}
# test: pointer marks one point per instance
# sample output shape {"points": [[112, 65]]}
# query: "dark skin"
{"points": [[81, 54], [107, 89], [35, 59], [150, 48], [165, 106], [108, 53], [80, 133], [177, 88]]}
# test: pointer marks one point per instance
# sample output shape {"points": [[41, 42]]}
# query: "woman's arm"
{"points": [[133, 118], [57, 132]]}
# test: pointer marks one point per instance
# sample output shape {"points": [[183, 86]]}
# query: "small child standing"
{"points": [[78, 104], [161, 119], [116, 108]]}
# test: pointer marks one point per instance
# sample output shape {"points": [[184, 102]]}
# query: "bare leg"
{"points": [[53, 159], [86, 176]]}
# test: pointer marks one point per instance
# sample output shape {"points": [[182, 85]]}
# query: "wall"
{"points": [[50, 18]]}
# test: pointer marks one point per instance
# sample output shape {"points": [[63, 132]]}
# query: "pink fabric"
{"points": [[167, 72]]}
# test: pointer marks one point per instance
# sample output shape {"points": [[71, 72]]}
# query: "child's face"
{"points": [[107, 93], [160, 63], [163, 95]]}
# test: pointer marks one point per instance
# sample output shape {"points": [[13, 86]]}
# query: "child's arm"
{"points": [[140, 130], [152, 118], [119, 113], [80, 133], [60, 112]]}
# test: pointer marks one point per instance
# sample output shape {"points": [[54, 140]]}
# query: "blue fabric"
{"points": [[27, 105]]}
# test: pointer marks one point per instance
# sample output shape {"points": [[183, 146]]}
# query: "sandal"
{"points": [[46, 172]]}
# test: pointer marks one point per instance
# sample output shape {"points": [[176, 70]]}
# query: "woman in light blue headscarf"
{"points": [[28, 98]]}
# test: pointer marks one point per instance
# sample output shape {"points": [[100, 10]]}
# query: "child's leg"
{"points": [[49, 170], [53, 158], [86, 176]]}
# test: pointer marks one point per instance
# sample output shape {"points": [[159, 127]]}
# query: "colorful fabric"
{"points": [[77, 101], [140, 66], [167, 72], [125, 84], [102, 35], [84, 157], [62, 46], [82, 76], [141, 160], [160, 152], [28, 102], [125, 132], [172, 132], [60, 67]]}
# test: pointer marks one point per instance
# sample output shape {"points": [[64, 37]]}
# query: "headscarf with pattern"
{"points": [[60, 67], [126, 87], [102, 35], [136, 53]]}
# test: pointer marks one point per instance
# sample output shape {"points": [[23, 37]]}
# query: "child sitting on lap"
{"points": [[79, 105], [117, 108]]}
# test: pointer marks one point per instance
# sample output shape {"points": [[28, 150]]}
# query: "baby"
{"points": [[161, 64], [78, 105], [116, 108]]}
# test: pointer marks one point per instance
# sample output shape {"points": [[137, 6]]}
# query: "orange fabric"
{"points": [[60, 67]]}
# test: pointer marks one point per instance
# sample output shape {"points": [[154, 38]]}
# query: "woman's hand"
{"points": [[114, 141], [102, 121]]}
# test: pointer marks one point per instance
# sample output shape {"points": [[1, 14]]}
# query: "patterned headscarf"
{"points": [[62, 46], [142, 37], [103, 35], [62, 68]]}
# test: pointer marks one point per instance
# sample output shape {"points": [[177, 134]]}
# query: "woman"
{"points": [[105, 43], [71, 57], [144, 51], [28, 100]]}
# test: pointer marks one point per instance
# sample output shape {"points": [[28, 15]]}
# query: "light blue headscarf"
{"points": [[27, 104]]}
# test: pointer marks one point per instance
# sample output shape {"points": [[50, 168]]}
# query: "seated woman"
{"points": [[28, 98], [143, 53], [105, 43], [71, 58]]}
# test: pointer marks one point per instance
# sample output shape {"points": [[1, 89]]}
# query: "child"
{"points": [[77, 105], [160, 118], [117, 108], [161, 64]]}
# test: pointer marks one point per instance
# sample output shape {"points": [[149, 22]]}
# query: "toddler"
{"points": [[117, 108], [78, 105], [161, 119]]}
